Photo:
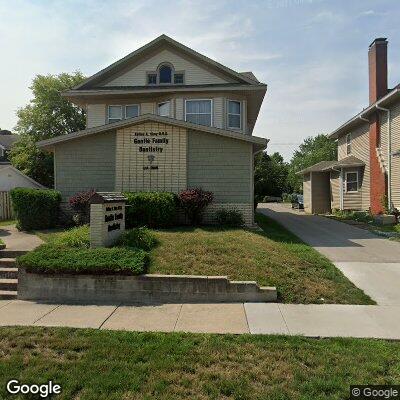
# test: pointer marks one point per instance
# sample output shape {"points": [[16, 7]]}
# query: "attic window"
{"points": [[151, 79], [165, 73], [178, 79]]}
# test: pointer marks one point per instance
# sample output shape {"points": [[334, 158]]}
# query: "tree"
{"points": [[270, 175], [47, 115], [310, 152]]}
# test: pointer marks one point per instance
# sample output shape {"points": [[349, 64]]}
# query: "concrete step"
{"points": [[12, 253], [8, 294], [8, 273], [7, 262], [9, 284]]}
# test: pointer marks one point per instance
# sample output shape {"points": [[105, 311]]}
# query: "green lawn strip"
{"points": [[8, 222], [97, 365], [274, 257]]}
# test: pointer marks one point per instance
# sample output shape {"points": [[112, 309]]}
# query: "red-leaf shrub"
{"points": [[80, 204], [193, 202]]}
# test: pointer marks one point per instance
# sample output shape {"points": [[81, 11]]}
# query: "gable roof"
{"points": [[7, 166], [325, 166], [7, 140], [163, 39], [260, 142]]}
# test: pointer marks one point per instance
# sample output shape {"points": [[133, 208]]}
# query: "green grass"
{"points": [[274, 257], [8, 222], [1, 242], [97, 365]]}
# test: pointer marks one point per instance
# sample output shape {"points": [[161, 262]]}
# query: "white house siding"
{"points": [[95, 115], [195, 74], [359, 149], [335, 190], [10, 179], [307, 192]]}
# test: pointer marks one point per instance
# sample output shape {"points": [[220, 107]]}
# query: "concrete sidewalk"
{"points": [[254, 318], [18, 241]]}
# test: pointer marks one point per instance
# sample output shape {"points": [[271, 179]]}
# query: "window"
{"points": [[348, 143], [114, 114], [199, 112], [151, 79], [178, 79], [234, 114], [165, 74], [131, 111], [164, 109], [351, 181]]}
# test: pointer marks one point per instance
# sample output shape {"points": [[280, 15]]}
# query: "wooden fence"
{"points": [[6, 211]]}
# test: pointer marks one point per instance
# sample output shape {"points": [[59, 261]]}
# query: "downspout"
{"points": [[389, 150]]}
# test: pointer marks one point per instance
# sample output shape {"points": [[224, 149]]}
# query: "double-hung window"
{"points": [[199, 112], [164, 109], [234, 114], [117, 113], [131, 111], [348, 143], [352, 181]]}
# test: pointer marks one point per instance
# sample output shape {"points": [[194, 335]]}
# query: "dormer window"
{"points": [[165, 73]]}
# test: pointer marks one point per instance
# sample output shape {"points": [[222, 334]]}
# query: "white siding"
{"points": [[95, 115], [194, 73], [395, 115]]}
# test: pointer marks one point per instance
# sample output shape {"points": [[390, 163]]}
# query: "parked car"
{"points": [[298, 202]]}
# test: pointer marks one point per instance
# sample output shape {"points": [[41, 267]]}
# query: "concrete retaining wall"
{"points": [[113, 289]]}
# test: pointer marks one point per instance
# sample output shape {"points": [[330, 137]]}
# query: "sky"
{"points": [[312, 54]]}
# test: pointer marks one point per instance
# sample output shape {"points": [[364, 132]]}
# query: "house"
{"points": [[367, 171], [11, 177], [164, 118], [7, 139]]}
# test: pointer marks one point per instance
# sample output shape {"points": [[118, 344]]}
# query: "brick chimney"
{"points": [[378, 87], [377, 65]]}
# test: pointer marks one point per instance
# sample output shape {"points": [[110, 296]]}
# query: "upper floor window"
{"points": [[117, 113], [178, 79], [165, 73], [234, 114], [348, 143], [199, 112], [152, 79], [164, 109]]}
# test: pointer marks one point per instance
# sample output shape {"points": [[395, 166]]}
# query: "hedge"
{"points": [[153, 209], [49, 258], [34, 208]]}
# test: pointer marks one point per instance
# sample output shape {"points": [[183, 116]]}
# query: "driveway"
{"points": [[370, 262]]}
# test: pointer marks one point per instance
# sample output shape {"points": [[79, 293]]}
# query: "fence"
{"points": [[6, 211]]}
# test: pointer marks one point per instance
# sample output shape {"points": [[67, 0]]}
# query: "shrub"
{"points": [[193, 203], [81, 205], [360, 216], [34, 208], [141, 238], [230, 218], [153, 209], [74, 237], [49, 258]]}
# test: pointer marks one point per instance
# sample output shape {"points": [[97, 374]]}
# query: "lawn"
{"points": [[8, 222], [96, 365], [274, 257]]}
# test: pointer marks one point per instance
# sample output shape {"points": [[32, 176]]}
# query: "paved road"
{"points": [[371, 262]]}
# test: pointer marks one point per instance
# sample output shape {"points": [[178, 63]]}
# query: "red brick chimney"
{"points": [[378, 87]]}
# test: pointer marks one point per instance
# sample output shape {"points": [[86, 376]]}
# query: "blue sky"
{"points": [[312, 54]]}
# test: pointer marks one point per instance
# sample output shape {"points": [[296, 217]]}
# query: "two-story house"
{"points": [[366, 175], [164, 118]]}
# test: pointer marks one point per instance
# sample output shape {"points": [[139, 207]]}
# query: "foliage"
{"points": [[49, 258], [229, 218], [385, 203], [74, 237], [47, 115], [193, 202], [289, 197], [1, 242], [141, 238], [153, 209], [270, 175], [310, 152], [34, 208], [360, 216], [80, 204]]}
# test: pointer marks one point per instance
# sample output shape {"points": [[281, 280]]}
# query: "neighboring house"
{"points": [[11, 178], [164, 118], [7, 139], [367, 171]]}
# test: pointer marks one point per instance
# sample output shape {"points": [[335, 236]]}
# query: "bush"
{"points": [[141, 238], [360, 216], [230, 218], [74, 237], [193, 203], [49, 258], [81, 205], [153, 209], [34, 208]]}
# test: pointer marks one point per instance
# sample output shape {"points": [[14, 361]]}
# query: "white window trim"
{"points": [[130, 105], [163, 102], [240, 115], [108, 112], [212, 109], [348, 144], [345, 181]]}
